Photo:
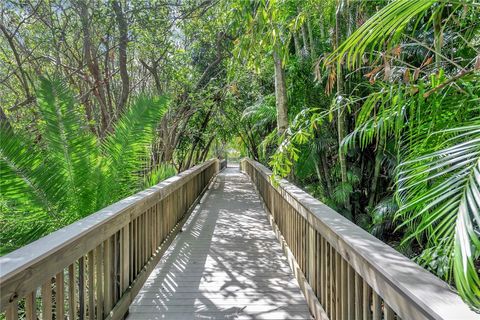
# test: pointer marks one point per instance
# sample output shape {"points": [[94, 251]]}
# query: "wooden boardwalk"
{"points": [[226, 264]]}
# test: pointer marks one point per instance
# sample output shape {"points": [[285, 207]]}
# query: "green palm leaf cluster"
{"points": [[67, 172], [440, 193], [434, 122]]}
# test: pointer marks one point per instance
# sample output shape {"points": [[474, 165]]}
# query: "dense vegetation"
{"points": [[371, 106]]}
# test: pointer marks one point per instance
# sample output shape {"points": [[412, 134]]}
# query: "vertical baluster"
{"points": [[331, 275], [144, 238], [388, 312], [154, 228], [47, 300], [358, 296], [125, 258], [163, 219], [323, 272], [305, 227], [107, 276], [377, 307], [59, 296], [140, 243], [91, 285], [298, 236], [131, 246], [11, 313], [147, 234], [312, 243], [81, 287], [159, 222], [338, 285], [367, 294], [351, 293], [115, 271], [137, 245], [302, 242], [344, 289], [135, 248], [72, 303], [150, 233], [99, 274], [318, 265], [30, 306]]}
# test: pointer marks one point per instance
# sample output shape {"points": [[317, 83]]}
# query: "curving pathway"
{"points": [[226, 264]]}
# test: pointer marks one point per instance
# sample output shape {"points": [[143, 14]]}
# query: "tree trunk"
{"points": [[298, 48], [376, 173], [340, 113], [198, 138], [438, 36], [93, 67], [310, 37], [322, 29], [4, 123], [23, 76], [106, 75], [306, 47], [324, 164], [280, 94], [204, 155], [122, 54], [153, 69]]}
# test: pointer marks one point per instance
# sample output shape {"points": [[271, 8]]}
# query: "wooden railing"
{"points": [[223, 164], [344, 272], [94, 267]]}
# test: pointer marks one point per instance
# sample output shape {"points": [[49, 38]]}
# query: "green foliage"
{"points": [[158, 174], [440, 195], [388, 23], [382, 107], [70, 173]]}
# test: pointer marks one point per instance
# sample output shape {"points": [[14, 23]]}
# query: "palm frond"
{"points": [[440, 195], [262, 112], [387, 24], [159, 173], [70, 145], [126, 149]]}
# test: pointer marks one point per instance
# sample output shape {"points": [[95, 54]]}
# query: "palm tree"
{"points": [[67, 172], [435, 121]]}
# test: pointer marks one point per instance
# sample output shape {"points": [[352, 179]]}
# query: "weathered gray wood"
{"points": [[11, 313], [81, 288], [226, 262], [108, 238], [123, 304], [27, 268], [91, 285], [59, 295], [377, 307], [107, 276], [72, 296], [358, 296], [99, 282], [388, 313], [411, 291], [30, 306], [367, 299], [47, 300]]}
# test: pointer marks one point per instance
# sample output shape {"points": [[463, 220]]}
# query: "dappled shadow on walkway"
{"points": [[227, 264]]}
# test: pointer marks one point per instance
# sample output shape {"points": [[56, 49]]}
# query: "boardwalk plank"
{"points": [[226, 264]]}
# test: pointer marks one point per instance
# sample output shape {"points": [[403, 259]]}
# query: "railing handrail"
{"points": [[412, 291], [74, 240]]}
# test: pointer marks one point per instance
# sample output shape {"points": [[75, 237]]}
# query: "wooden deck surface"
{"points": [[226, 264]]}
